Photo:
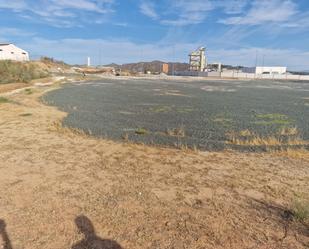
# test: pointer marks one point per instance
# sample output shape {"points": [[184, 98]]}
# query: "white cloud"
{"points": [[148, 9], [9, 32], [301, 21], [177, 12], [59, 13], [188, 12], [185, 12], [264, 11], [232, 6], [105, 51], [15, 5]]}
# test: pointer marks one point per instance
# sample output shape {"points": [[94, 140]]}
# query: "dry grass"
{"points": [[59, 128], [289, 131], [12, 72], [176, 132], [125, 137], [245, 133], [293, 153], [266, 141], [250, 138]]}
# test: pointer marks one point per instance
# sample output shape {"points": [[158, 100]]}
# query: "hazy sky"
{"points": [[121, 31]]}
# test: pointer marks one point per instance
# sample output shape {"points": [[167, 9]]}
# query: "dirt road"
{"points": [[57, 186]]}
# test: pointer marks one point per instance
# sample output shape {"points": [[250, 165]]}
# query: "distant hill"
{"points": [[156, 66], [153, 66]]}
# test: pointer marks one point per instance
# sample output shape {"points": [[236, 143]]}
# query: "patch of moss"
{"points": [[272, 118], [141, 131], [185, 110], [25, 114], [161, 109], [301, 210], [223, 120], [28, 91], [3, 100]]}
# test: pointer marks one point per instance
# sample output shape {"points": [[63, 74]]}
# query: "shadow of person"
{"points": [[4, 236], [91, 240]]}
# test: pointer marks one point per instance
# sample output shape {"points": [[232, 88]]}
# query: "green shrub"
{"points": [[301, 210], [3, 100], [11, 71], [141, 131]]}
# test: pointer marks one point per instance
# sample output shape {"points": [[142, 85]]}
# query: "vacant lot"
{"points": [[211, 115], [55, 182]]}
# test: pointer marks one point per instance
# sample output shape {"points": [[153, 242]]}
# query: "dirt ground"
{"points": [[61, 189]]}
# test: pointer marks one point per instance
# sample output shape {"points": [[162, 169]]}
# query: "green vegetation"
{"points": [[20, 72], [141, 131], [3, 100], [185, 110], [160, 109], [25, 114], [28, 91], [301, 210], [272, 118]]}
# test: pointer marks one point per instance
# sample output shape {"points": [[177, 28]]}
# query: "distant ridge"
{"points": [[153, 66]]}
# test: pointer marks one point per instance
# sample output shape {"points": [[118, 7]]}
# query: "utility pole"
{"points": [[256, 61], [142, 61], [173, 60]]}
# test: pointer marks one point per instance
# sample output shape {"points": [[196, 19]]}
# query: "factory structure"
{"points": [[197, 60], [9, 51], [199, 66], [265, 70]]}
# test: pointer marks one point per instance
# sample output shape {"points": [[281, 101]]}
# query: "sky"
{"points": [[235, 32]]}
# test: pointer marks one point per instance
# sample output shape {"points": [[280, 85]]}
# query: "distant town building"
{"points": [[265, 70], [11, 52], [165, 68]]}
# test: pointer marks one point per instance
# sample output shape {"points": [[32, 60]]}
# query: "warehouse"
{"points": [[265, 70], [11, 52]]}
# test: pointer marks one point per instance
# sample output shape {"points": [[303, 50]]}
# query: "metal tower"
{"points": [[198, 60]]}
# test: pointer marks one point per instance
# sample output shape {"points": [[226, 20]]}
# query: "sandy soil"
{"points": [[57, 186], [4, 88]]}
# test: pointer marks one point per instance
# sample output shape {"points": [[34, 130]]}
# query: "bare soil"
{"points": [[9, 87], [56, 183]]}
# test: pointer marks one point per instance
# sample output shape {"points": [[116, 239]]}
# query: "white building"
{"points": [[11, 52], [265, 70]]}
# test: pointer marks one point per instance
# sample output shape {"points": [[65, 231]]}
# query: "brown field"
{"points": [[53, 179]]}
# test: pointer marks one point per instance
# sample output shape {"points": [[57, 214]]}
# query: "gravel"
{"points": [[205, 110]]}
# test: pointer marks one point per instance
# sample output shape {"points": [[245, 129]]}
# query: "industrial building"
{"points": [[165, 68], [11, 52], [265, 70], [198, 60]]}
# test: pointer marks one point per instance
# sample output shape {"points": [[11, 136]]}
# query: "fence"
{"points": [[241, 75]]}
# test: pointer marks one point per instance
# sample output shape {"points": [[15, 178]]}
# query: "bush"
{"points": [[301, 210], [3, 100], [11, 71]]}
